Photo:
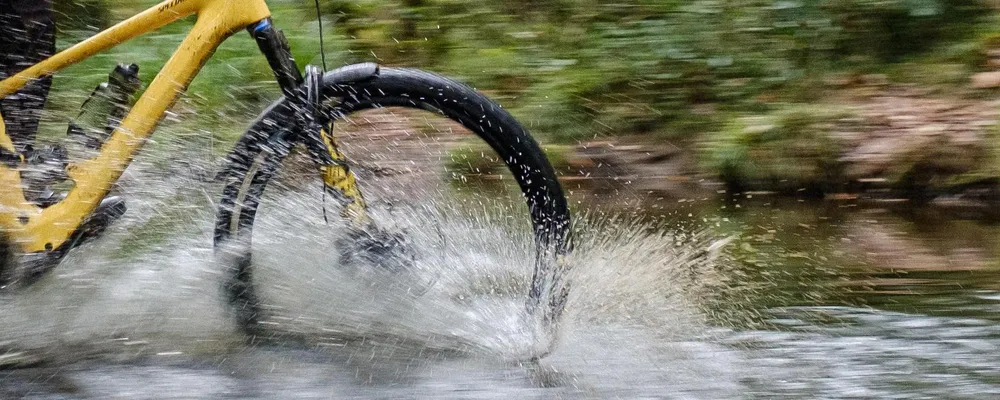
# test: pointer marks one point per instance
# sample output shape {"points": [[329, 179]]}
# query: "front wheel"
{"points": [[258, 156]]}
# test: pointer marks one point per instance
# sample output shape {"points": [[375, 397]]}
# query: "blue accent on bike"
{"points": [[263, 24]]}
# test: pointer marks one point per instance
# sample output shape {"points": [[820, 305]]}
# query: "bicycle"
{"points": [[41, 234]]}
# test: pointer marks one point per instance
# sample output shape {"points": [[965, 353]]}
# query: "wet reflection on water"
{"points": [[710, 298]]}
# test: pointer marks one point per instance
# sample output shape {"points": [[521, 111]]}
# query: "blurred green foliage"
{"points": [[574, 70], [788, 150]]}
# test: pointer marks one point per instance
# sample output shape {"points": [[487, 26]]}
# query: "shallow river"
{"points": [[704, 298]]}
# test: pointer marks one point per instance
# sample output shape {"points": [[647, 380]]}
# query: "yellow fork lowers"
{"points": [[340, 178]]}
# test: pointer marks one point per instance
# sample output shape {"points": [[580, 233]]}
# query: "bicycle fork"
{"points": [[305, 96]]}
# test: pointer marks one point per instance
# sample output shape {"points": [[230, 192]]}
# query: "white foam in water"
{"points": [[467, 282], [139, 313], [148, 277], [153, 281]]}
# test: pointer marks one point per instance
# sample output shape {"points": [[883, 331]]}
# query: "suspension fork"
{"points": [[306, 123]]}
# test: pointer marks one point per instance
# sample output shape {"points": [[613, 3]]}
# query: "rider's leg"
{"points": [[27, 36]]}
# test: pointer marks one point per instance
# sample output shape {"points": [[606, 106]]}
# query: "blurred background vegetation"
{"points": [[686, 71]]}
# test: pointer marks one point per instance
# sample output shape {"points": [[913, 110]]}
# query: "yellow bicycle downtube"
{"points": [[38, 230]]}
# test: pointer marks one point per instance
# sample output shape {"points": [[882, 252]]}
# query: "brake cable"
{"points": [[322, 48]]}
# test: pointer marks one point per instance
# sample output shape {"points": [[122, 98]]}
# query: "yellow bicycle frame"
{"points": [[36, 229]]}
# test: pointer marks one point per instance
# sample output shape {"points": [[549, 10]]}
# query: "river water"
{"points": [[713, 297]]}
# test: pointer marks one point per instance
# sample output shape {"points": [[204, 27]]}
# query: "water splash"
{"points": [[151, 288], [469, 282]]}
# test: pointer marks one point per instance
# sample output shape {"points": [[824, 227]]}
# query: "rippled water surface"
{"points": [[707, 298]]}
